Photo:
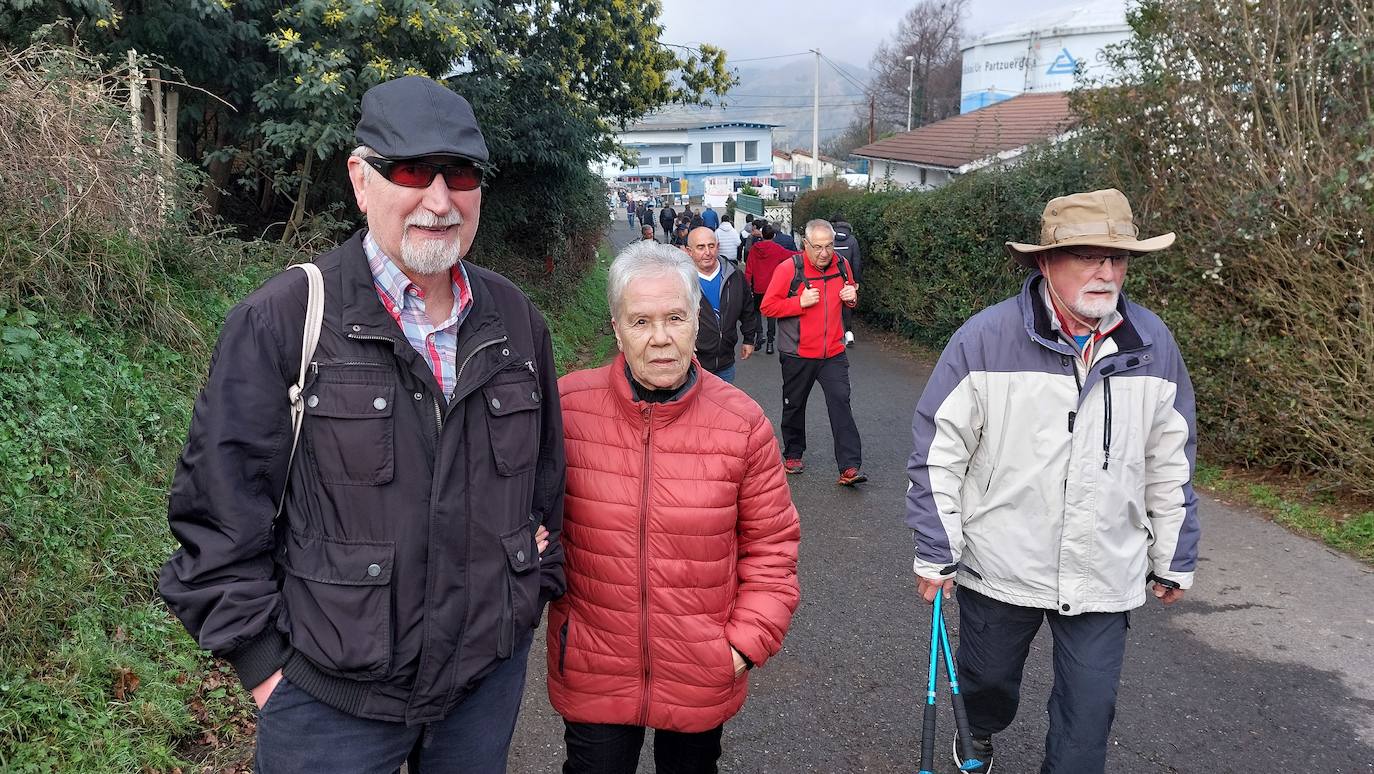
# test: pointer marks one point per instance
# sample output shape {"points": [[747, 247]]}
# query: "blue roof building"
{"points": [[674, 149]]}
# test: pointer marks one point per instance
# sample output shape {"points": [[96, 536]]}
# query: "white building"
{"points": [[803, 164], [1042, 57], [670, 151], [934, 154]]}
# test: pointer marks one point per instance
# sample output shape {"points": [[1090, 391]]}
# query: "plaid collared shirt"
{"points": [[406, 302]]}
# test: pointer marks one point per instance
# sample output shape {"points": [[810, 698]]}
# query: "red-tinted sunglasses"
{"points": [[420, 174]]}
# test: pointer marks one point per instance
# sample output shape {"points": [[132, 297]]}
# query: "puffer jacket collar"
{"points": [[659, 414]]}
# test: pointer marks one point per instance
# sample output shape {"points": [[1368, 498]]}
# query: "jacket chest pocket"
{"points": [[338, 601], [351, 432], [513, 424]]}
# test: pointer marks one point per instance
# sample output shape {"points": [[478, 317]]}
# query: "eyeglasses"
{"points": [[1093, 260], [420, 174], [830, 248]]}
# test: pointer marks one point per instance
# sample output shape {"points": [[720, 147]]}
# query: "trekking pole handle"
{"points": [[928, 739]]}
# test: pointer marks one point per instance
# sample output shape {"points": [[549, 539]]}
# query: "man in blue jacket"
{"points": [[709, 218], [1052, 477]]}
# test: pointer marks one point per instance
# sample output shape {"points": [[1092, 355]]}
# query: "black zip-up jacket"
{"points": [[404, 568], [716, 336], [847, 247]]}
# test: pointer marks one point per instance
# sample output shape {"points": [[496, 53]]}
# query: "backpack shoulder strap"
{"points": [[310, 338], [842, 266], [798, 275]]}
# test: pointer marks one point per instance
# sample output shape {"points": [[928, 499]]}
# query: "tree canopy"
{"points": [[548, 80]]}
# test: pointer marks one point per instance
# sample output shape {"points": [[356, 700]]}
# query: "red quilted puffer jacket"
{"points": [[680, 541]]}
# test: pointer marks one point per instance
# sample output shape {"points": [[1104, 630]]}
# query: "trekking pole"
{"points": [[928, 719], [963, 738]]}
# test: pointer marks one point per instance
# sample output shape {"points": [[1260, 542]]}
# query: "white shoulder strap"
{"points": [[310, 337]]}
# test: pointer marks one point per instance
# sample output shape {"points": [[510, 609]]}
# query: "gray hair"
{"points": [[651, 259], [813, 225], [363, 152]]}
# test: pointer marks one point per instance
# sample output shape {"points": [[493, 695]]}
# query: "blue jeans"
{"points": [[298, 733], [994, 640], [727, 373]]}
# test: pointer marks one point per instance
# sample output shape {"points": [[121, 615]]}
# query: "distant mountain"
{"points": [[783, 94]]}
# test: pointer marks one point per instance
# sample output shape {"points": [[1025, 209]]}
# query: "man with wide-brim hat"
{"points": [[376, 589], [1051, 477]]}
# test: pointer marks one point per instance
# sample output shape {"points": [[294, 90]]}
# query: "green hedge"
{"points": [[931, 259]]}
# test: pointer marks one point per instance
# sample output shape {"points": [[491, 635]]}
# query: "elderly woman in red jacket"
{"points": [[679, 532]]}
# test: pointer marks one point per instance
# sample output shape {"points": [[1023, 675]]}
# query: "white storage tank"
{"points": [[1039, 56]]}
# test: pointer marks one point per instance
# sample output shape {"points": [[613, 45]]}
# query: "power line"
{"points": [[728, 104], [761, 58], [749, 59], [862, 87]]}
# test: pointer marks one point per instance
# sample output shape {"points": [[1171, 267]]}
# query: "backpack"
{"points": [[799, 278]]}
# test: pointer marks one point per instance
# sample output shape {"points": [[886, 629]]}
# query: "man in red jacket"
{"points": [[811, 347], [764, 257]]}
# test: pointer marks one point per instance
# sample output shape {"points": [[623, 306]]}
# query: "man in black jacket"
{"points": [[666, 218], [386, 614], [725, 303], [847, 247]]}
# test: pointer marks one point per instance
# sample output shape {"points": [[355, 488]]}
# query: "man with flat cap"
{"points": [[1052, 478], [376, 588]]}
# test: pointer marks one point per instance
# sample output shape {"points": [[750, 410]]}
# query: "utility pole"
{"points": [[872, 110], [816, 125], [910, 80]]}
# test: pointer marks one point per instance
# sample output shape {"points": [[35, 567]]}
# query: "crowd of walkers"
{"points": [[385, 484]]}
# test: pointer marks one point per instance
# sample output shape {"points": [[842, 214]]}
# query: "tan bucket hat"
{"points": [[1100, 219]]}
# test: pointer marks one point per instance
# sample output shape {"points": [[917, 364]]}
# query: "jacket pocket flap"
{"points": [[340, 562], [520, 550], [349, 401], [503, 399]]}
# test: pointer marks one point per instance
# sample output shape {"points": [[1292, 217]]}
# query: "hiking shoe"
{"points": [[793, 466], [980, 748], [850, 477], [768, 350]]}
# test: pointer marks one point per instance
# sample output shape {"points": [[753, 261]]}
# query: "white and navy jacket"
{"points": [[1050, 482]]}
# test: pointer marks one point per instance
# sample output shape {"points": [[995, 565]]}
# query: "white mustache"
{"points": [[1106, 287], [427, 219]]}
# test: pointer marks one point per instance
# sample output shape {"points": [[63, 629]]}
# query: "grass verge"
{"points": [[1346, 525], [95, 674], [582, 337]]}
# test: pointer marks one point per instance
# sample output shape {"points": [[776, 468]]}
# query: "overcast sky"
{"points": [[844, 30]]}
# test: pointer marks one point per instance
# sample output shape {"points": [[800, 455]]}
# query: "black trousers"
{"points": [[994, 640], [771, 323], [599, 748], [798, 375]]}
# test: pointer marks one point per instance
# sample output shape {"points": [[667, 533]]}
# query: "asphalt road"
{"points": [[1267, 665]]}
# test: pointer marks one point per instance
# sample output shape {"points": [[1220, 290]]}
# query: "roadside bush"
{"points": [[1246, 128], [1243, 127], [931, 259]]}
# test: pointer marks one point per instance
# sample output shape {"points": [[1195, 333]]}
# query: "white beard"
{"points": [[430, 256], [1092, 308]]}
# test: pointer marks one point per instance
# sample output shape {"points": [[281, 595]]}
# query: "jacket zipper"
{"points": [[471, 355], [646, 669], [825, 316]]}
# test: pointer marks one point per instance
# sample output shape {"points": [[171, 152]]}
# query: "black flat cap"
{"points": [[415, 116]]}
